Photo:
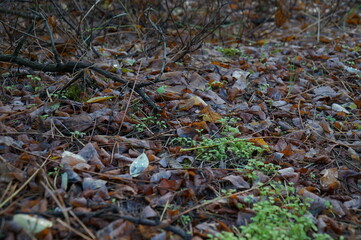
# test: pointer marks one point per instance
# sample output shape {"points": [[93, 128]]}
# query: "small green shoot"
{"points": [[34, 78], [229, 52], [77, 134], [149, 122], [161, 89]]}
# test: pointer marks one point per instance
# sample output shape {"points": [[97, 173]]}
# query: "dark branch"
{"points": [[71, 67], [114, 216]]}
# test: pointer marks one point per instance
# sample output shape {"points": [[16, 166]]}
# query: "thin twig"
{"points": [[164, 39], [22, 40], [52, 44], [73, 230], [24, 185]]}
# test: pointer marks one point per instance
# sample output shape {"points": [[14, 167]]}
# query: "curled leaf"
{"points": [[32, 224], [139, 165]]}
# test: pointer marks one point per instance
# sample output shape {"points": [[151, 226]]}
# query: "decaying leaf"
{"points": [[32, 224], [329, 180], [139, 165]]}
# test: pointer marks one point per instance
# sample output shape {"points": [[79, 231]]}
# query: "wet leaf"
{"points": [[329, 180], [32, 224], [139, 165], [99, 99], [237, 181]]}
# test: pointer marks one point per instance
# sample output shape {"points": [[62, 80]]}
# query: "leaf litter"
{"points": [[101, 163]]}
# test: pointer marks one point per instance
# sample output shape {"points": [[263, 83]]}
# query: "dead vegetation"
{"points": [[180, 119]]}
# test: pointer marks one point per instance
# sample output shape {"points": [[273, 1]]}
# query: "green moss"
{"points": [[74, 92]]}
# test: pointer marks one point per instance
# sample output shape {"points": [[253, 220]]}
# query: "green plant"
{"points": [[74, 92], [77, 134], [185, 220], [183, 141], [223, 147], [10, 88], [351, 63], [263, 87], [292, 79], [148, 122], [280, 214], [228, 192], [55, 171], [35, 82], [34, 78], [161, 89], [229, 52], [330, 119], [256, 164], [58, 95]]}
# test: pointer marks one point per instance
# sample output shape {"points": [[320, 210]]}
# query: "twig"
{"points": [[55, 52], [92, 7], [199, 37], [318, 24], [77, 76], [25, 33], [18, 13]]}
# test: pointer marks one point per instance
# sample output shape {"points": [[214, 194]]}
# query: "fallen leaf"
{"points": [[32, 224], [139, 165], [329, 180]]}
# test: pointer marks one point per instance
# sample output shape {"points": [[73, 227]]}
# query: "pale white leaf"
{"points": [[32, 224], [139, 165], [338, 108]]}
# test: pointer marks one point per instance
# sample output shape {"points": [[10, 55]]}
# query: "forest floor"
{"points": [[259, 139]]}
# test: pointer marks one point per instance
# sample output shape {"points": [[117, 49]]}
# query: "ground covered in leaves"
{"points": [[253, 136]]}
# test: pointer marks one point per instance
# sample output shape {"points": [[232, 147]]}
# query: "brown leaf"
{"points": [[209, 115], [147, 232], [282, 14], [287, 151], [280, 17], [79, 122], [187, 104], [115, 230], [325, 222], [220, 64], [329, 180], [166, 185], [161, 201], [237, 181]]}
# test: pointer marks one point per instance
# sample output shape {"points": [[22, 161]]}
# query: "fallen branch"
{"points": [[72, 67], [109, 214]]}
